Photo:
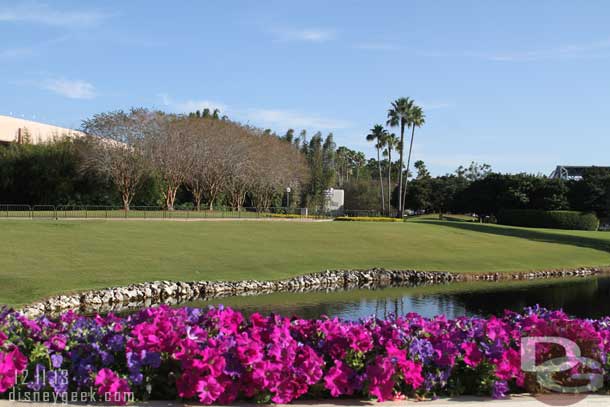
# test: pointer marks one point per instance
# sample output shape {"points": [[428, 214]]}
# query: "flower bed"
{"points": [[218, 356]]}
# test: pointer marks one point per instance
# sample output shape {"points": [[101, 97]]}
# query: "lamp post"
{"points": [[288, 197]]}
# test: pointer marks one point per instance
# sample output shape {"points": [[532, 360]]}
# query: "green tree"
{"points": [[592, 192], [392, 143], [361, 195], [416, 118], [422, 170], [320, 154], [289, 136], [358, 160], [475, 171], [398, 116], [379, 135]]}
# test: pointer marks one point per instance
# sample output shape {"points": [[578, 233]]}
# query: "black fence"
{"points": [[152, 212]]}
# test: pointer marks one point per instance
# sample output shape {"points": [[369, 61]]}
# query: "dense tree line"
{"points": [[478, 190], [144, 157], [49, 173], [152, 158]]}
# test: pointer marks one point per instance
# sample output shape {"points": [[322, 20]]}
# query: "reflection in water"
{"points": [[582, 297]]}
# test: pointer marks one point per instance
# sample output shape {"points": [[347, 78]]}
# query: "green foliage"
{"points": [[494, 192], [367, 219], [320, 155], [571, 220], [361, 195], [474, 171], [50, 174], [592, 192]]}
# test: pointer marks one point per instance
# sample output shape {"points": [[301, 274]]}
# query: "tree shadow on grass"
{"points": [[537, 235]]}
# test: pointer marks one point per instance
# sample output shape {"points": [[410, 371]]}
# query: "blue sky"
{"points": [[521, 85]]}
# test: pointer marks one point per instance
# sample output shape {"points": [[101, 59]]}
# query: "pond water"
{"points": [[580, 297]]}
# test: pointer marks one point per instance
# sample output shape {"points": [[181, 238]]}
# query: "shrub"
{"points": [[367, 219], [571, 220], [217, 355], [285, 215]]}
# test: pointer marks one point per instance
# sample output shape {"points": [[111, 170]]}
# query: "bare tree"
{"points": [[240, 159], [211, 159], [115, 149], [277, 165], [167, 145]]}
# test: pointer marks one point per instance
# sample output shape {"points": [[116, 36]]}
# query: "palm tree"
{"points": [[359, 161], [392, 143], [416, 119], [378, 134], [398, 116]]}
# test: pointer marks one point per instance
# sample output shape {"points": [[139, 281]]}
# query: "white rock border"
{"points": [[134, 296]]}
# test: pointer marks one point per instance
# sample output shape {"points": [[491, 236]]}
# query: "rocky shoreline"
{"points": [[120, 299]]}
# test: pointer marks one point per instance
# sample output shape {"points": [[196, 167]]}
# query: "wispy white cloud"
{"points": [[73, 89], [305, 34], [284, 119], [15, 52], [377, 46], [191, 105], [590, 50], [32, 49], [277, 119], [585, 50], [40, 13]]}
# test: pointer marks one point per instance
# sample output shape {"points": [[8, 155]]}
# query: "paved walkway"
{"points": [[515, 401]]}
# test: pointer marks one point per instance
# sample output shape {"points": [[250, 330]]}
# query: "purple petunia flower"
{"points": [[422, 349], [56, 360], [499, 389], [116, 343], [58, 380]]}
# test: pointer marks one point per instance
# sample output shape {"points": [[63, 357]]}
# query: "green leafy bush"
{"points": [[572, 220], [367, 219]]}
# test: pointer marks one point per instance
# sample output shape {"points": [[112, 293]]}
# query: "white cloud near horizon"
{"points": [[587, 50], [277, 119], [191, 105], [305, 34], [498, 161], [584, 50], [286, 119], [72, 89], [41, 13]]}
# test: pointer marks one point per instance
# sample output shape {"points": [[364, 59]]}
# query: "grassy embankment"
{"points": [[39, 258]]}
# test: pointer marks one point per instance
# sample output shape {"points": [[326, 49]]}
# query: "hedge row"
{"points": [[367, 219], [571, 220]]}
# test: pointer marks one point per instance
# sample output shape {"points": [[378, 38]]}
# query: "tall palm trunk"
{"points": [[404, 197], [402, 138], [389, 179], [381, 182]]}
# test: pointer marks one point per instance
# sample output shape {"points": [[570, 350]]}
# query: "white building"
{"points": [[335, 201], [15, 130]]}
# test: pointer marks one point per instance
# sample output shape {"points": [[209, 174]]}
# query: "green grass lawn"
{"points": [[39, 258]]}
